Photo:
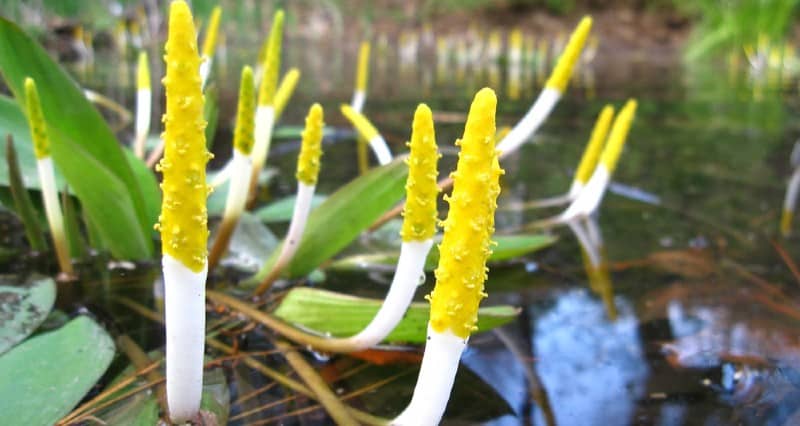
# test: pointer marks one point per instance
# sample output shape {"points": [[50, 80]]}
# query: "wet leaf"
{"points": [[84, 148], [46, 376], [508, 247], [339, 314], [281, 210], [23, 308], [343, 216], [251, 244]]}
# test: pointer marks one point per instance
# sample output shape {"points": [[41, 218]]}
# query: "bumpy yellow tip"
{"points": [[143, 72], [245, 113], [272, 61], [618, 136], [362, 74], [183, 220], [591, 154], [210, 43], [360, 122], [786, 222], [285, 91], [419, 214], [469, 224], [563, 70], [41, 144], [311, 147]]}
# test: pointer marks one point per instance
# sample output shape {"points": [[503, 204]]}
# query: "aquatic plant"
{"points": [[792, 190], [368, 131], [362, 76], [240, 167], [210, 45], [183, 219], [285, 90], [44, 165], [462, 269], [143, 104]]}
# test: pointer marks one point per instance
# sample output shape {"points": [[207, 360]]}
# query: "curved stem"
{"points": [[265, 119], [234, 205], [55, 218], [359, 97], [530, 123], [381, 149], [792, 190]]}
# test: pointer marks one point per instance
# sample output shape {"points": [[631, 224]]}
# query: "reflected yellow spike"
{"points": [[563, 71], [36, 123], [469, 224], [143, 72], [360, 122], [183, 221], [311, 148], [245, 113], [618, 136], [419, 213], [272, 61], [786, 222], [285, 91], [210, 43], [362, 75], [591, 154]]}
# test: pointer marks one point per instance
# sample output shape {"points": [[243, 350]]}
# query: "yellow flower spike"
{"points": [[360, 122], [362, 75], [143, 72], [285, 91], [419, 223], [311, 147], [469, 224], [245, 113], [210, 42], [618, 136], [41, 143], [591, 154], [563, 70], [183, 221], [515, 39], [272, 61]]}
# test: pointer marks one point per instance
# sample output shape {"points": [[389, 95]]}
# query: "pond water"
{"points": [[691, 320]]}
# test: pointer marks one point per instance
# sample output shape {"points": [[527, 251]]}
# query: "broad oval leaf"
{"points": [[47, 375], [83, 146], [342, 315], [23, 308]]}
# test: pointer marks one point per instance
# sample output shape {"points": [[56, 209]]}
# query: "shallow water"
{"points": [[705, 322]]}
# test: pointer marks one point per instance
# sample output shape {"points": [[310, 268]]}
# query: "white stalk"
{"points": [[410, 268], [52, 208], [585, 204], [381, 150], [223, 175], [265, 119], [185, 315], [575, 189], [143, 106], [357, 103], [577, 227], [531, 122], [302, 207], [205, 70], [435, 381], [792, 189], [239, 171]]}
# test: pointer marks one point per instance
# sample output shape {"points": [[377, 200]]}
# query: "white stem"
{"points": [[575, 189], [302, 207], [52, 208], [185, 314], [792, 189], [410, 268], [577, 227], [265, 118], [357, 103], [239, 169], [435, 381], [591, 195], [530, 123], [205, 70], [594, 231], [381, 150], [143, 105], [224, 174]]}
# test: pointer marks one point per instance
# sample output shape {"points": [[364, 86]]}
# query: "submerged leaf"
{"points": [[23, 308], [250, 245], [46, 376], [340, 315]]}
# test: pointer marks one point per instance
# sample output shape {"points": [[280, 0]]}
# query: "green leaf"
{"points": [[46, 376], [508, 247], [250, 245], [281, 210], [343, 216], [338, 314], [23, 308], [84, 148]]}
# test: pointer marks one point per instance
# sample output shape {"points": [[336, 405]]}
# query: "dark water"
{"points": [[695, 320]]}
